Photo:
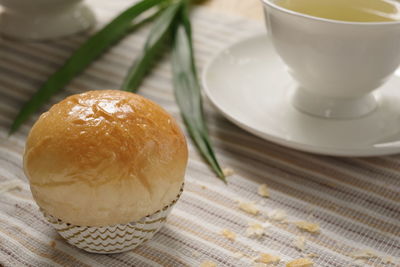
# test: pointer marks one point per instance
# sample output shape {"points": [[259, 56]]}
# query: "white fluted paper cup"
{"points": [[115, 238]]}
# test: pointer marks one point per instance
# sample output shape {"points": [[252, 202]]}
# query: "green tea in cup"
{"points": [[346, 10]]}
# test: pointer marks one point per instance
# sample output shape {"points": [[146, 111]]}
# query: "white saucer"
{"points": [[249, 84]]}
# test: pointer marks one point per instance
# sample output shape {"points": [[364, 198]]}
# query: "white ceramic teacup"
{"points": [[44, 19], [337, 64]]}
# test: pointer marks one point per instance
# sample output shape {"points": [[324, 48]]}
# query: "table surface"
{"points": [[354, 201]]}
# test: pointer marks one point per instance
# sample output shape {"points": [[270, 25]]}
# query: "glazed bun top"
{"points": [[105, 157]]}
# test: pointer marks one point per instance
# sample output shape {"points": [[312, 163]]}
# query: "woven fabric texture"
{"points": [[355, 201]]}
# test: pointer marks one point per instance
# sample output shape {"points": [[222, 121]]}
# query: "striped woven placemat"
{"points": [[354, 201]]}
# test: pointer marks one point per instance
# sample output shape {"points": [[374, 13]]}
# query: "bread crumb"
{"points": [[208, 264], [300, 243], [53, 244], [228, 171], [277, 215], [312, 255], [387, 260], [255, 230], [301, 262], [238, 255], [203, 187], [267, 258], [308, 226], [249, 207], [228, 234], [263, 191], [363, 254]]}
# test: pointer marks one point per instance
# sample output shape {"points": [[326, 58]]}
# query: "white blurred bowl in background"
{"points": [[44, 19]]}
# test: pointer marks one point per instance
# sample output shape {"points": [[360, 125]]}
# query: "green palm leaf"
{"points": [[187, 91], [154, 44], [82, 57]]}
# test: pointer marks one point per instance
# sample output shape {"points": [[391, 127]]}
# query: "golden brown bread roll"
{"points": [[105, 157]]}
